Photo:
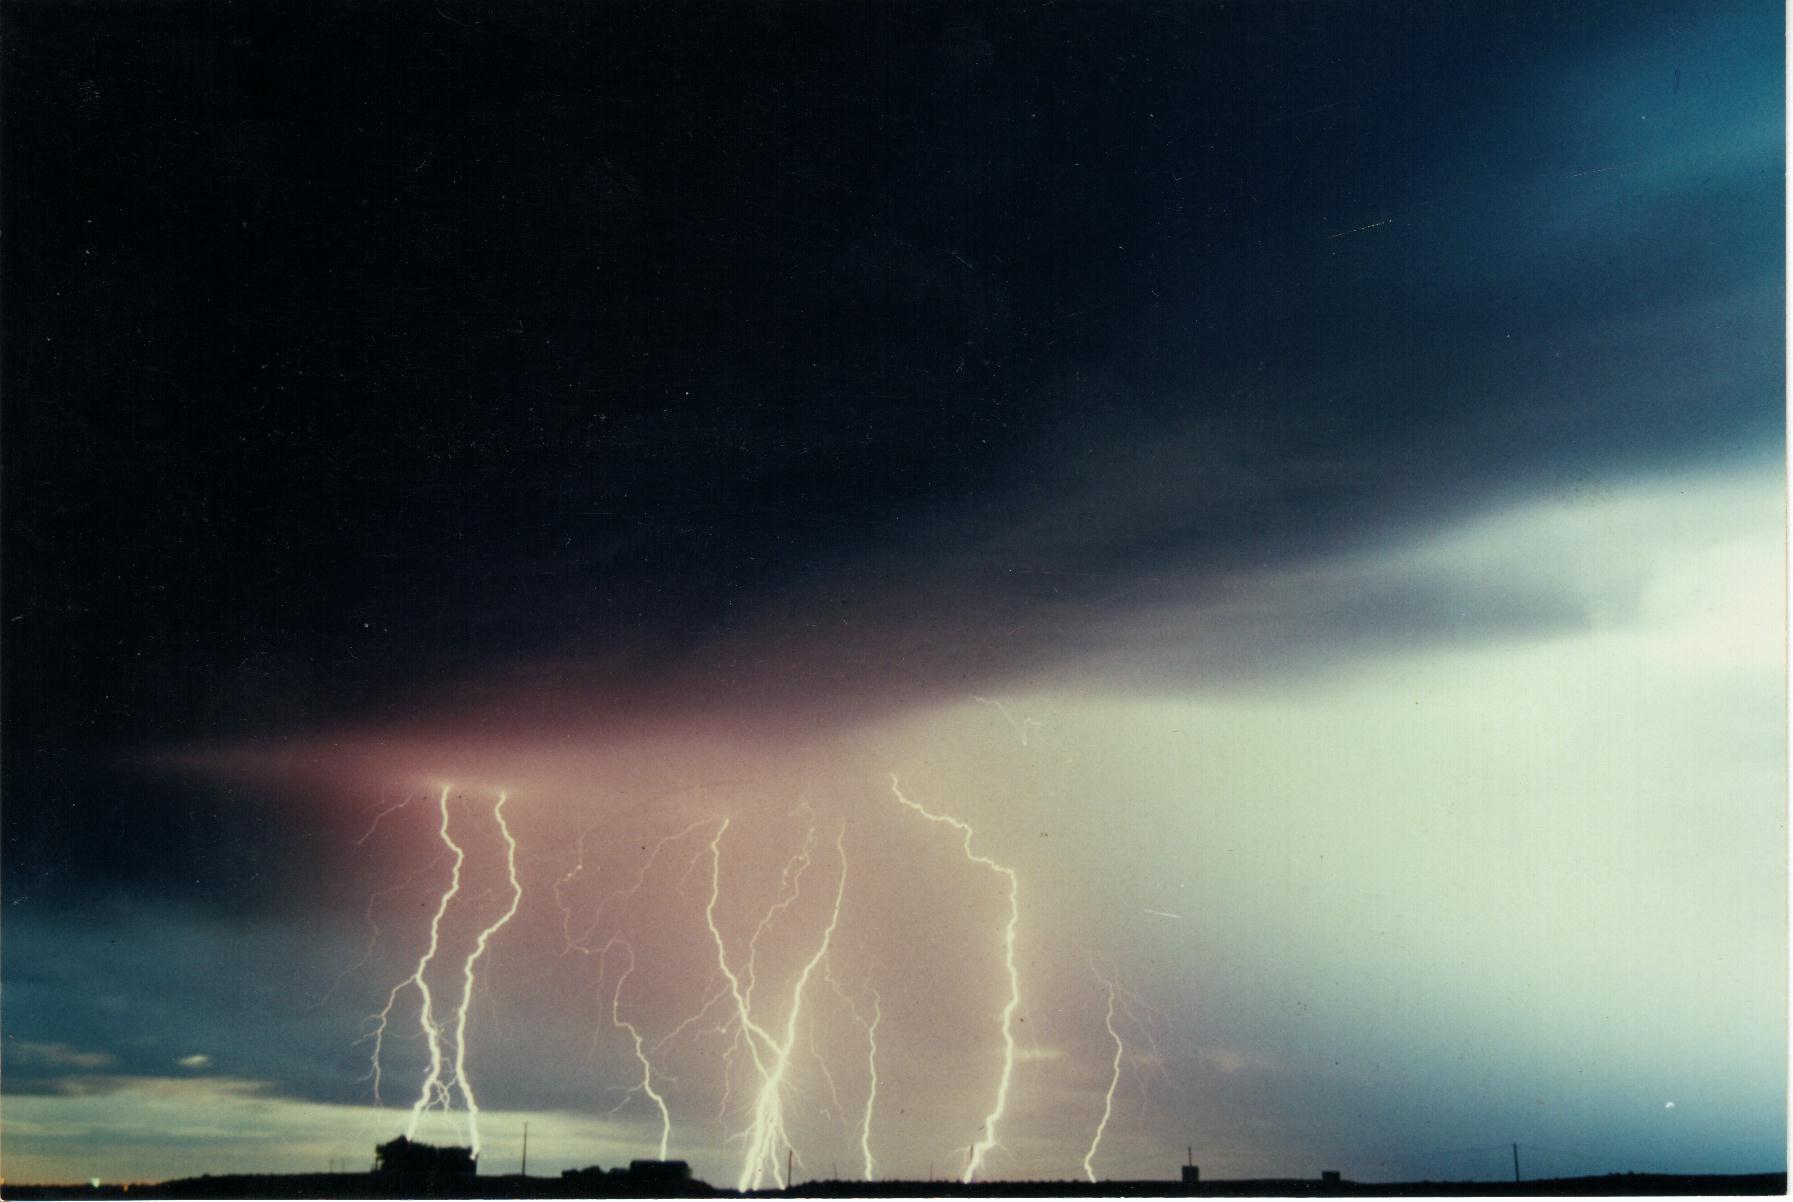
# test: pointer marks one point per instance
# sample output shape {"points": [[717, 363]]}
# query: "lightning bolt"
{"points": [[988, 1140], [871, 1067], [641, 1056], [770, 1053], [432, 1083], [1113, 1080], [643, 1053], [871, 1096], [767, 1131], [435, 1090], [467, 975], [728, 973]]}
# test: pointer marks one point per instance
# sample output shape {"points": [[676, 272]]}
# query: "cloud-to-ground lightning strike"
{"points": [[871, 1094], [611, 905], [767, 1130], [432, 1082], [441, 1076], [988, 1139], [770, 1040], [641, 1056], [433, 1088], [749, 1030], [771, 1054], [1114, 1079], [467, 974], [871, 1063]]}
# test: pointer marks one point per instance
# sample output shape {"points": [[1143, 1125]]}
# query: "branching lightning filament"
{"points": [[771, 1053], [442, 1076], [467, 974], [871, 1066], [767, 1011], [634, 1032], [988, 1139], [1114, 1080], [433, 1089]]}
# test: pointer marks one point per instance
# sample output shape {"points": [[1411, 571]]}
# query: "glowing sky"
{"points": [[941, 589]]}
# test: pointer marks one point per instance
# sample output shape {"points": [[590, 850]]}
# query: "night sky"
{"points": [[1304, 481]]}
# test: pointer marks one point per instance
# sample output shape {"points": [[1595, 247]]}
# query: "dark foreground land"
{"points": [[370, 1185], [1305, 1187]]}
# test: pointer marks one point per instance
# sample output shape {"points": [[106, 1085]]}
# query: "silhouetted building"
{"points": [[406, 1156], [1329, 1176], [1192, 1174]]}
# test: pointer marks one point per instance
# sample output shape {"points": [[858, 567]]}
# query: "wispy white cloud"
{"points": [[55, 1057]]}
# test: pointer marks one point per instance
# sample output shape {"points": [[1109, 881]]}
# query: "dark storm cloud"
{"points": [[430, 357]]}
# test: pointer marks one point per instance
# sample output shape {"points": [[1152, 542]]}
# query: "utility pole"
{"points": [[1515, 1163], [525, 1170], [1192, 1155], [789, 1182]]}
